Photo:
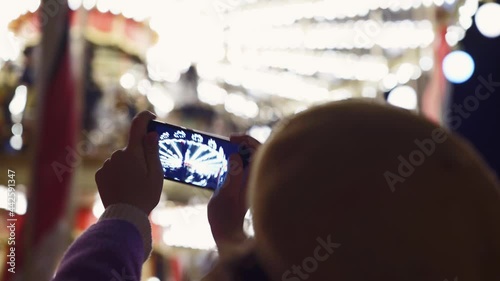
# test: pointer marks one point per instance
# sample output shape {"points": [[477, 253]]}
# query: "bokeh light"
{"points": [[487, 20], [404, 97], [458, 67]]}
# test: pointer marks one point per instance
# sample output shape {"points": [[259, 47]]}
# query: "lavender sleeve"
{"points": [[110, 250]]}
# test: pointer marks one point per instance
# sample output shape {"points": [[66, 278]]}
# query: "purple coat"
{"points": [[110, 250]]}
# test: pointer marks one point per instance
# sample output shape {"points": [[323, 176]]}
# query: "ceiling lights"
{"points": [[349, 35], [340, 65], [287, 12], [283, 84]]}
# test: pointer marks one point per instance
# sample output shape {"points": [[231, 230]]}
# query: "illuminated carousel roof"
{"points": [[285, 54]]}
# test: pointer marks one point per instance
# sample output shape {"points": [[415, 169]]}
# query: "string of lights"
{"points": [[362, 34], [287, 12], [339, 65]]}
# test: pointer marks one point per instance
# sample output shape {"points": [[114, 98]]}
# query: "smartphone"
{"points": [[192, 157]]}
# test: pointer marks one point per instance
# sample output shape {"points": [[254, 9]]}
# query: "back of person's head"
{"points": [[355, 190]]}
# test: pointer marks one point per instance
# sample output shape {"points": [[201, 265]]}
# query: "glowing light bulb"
{"points": [[18, 103], [89, 4], [127, 81], [426, 63], [487, 20], [390, 81], [404, 97], [458, 67], [17, 129], [16, 142], [260, 133], [74, 4]]}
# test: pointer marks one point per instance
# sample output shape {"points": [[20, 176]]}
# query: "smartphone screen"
{"points": [[192, 157]]}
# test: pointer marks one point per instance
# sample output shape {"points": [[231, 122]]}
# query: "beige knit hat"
{"points": [[355, 190]]}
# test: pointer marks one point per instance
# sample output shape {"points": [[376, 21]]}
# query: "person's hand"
{"points": [[228, 207], [133, 175]]}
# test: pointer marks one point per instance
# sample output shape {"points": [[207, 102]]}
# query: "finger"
{"points": [[138, 130], [152, 155], [98, 176], [248, 146], [246, 140], [231, 186], [99, 173], [235, 165], [117, 154]]}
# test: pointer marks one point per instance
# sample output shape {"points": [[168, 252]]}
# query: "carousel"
{"points": [[218, 66]]}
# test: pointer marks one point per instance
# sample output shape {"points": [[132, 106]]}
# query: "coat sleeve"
{"points": [[113, 249]]}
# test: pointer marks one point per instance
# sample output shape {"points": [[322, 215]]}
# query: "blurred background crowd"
{"points": [[70, 85]]}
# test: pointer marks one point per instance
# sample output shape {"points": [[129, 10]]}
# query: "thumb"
{"points": [[231, 187], [151, 153]]}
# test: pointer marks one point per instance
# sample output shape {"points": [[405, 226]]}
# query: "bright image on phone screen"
{"points": [[193, 158]]}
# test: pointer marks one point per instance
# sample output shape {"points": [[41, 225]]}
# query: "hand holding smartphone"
{"points": [[193, 157]]}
